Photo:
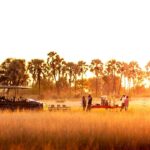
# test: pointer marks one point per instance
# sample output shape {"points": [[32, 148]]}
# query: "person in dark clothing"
{"points": [[83, 103], [89, 103], [122, 102], [126, 103]]}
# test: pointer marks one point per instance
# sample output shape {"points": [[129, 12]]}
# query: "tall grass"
{"points": [[75, 130]]}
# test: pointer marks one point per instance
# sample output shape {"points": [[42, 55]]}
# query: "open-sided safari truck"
{"points": [[105, 103], [14, 103]]}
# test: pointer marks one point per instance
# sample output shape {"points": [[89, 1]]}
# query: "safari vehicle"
{"points": [[18, 103], [105, 103], [23, 104]]}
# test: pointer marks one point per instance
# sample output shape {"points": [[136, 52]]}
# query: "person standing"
{"points": [[126, 103], [89, 103], [83, 103], [122, 102]]}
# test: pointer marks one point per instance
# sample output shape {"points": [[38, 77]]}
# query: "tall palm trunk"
{"points": [[101, 86], [39, 84], [75, 87], [129, 86], [82, 85], [96, 90], [70, 87], [120, 85], [125, 84], [114, 82]]}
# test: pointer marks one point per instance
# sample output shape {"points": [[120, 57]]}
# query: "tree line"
{"points": [[59, 76]]}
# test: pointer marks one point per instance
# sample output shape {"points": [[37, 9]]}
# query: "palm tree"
{"points": [[125, 73], [97, 68], [70, 72], [37, 67], [147, 67], [57, 67], [140, 77], [75, 73], [121, 70], [52, 64], [111, 70], [133, 70], [83, 67]]}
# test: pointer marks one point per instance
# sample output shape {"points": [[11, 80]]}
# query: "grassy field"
{"points": [[98, 129]]}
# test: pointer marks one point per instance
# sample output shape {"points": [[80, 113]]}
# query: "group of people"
{"points": [[124, 102], [12, 99], [86, 104]]}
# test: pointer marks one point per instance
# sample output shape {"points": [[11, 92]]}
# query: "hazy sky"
{"points": [[76, 29]]}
